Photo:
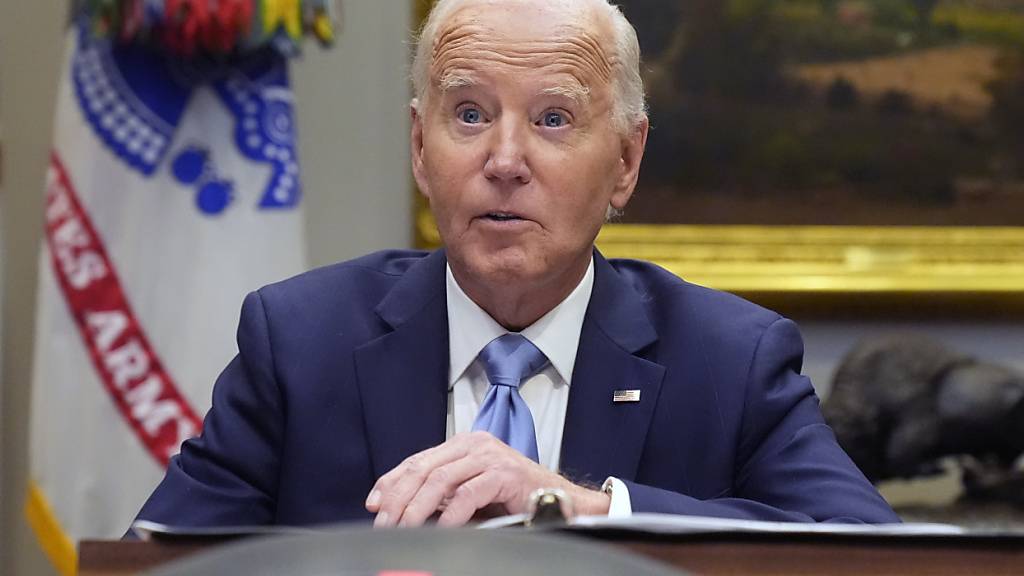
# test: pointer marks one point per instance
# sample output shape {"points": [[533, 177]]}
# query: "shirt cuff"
{"points": [[620, 507]]}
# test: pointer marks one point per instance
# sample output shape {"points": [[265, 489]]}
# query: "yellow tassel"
{"points": [[283, 12], [323, 29]]}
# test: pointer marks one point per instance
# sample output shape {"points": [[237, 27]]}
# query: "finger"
{"points": [[411, 465], [393, 491], [471, 496], [440, 486]]}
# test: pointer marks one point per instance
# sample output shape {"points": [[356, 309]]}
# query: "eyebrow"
{"points": [[576, 92], [454, 80]]}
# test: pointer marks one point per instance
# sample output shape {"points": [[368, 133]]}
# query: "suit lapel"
{"points": [[403, 375], [604, 438]]}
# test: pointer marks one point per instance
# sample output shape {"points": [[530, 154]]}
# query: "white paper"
{"points": [[679, 524], [146, 530]]}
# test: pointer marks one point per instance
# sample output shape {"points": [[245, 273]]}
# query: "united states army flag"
{"points": [[173, 189]]}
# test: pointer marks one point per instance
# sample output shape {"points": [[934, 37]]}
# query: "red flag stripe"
{"points": [[129, 368]]}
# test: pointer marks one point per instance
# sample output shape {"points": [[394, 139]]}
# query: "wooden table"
{"points": [[712, 554]]}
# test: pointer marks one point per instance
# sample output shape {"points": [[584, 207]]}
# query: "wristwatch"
{"points": [[608, 486]]}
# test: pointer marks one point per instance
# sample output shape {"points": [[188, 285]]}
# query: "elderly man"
{"points": [[406, 386]]}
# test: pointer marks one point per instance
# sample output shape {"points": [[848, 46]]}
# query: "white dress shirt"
{"points": [[556, 334]]}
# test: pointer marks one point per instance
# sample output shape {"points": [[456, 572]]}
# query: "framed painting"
{"points": [[828, 146]]}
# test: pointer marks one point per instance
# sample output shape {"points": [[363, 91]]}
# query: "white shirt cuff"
{"points": [[620, 507]]}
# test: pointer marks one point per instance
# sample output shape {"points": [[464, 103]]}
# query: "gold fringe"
{"points": [[54, 542]]}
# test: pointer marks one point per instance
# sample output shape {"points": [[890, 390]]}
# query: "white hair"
{"points": [[628, 106]]}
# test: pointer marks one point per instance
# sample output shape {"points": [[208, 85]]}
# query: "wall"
{"points": [[353, 125], [29, 51], [3, 258]]}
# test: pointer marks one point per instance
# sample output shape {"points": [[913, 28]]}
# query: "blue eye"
{"points": [[554, 119], [470, 115]]}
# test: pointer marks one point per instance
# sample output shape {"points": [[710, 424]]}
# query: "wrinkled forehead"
{"points": [[560, 37]]}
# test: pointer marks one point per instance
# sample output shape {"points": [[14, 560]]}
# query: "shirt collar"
{"points": [[556, 334]]}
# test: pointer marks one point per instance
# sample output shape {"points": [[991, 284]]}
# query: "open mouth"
{"points": [[501, 217]]}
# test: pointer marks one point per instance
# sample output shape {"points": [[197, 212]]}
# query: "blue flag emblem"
{"points": [[134, 99]]}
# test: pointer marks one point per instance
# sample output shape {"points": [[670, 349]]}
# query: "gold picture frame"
{"points": [[837, 265], [817, 259]]}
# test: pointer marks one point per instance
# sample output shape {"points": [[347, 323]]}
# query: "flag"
{"points": [[173, 189]]}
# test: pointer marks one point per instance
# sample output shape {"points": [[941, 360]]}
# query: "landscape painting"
{"points": [[840, 151], [832, 112]]}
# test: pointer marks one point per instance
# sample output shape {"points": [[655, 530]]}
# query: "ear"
{"points": [[633, 145], [416, 147]]}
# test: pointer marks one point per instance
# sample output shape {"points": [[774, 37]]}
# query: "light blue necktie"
{"points": [[509, 360]]}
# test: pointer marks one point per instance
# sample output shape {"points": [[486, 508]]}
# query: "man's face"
{"points": [[515, 148]]}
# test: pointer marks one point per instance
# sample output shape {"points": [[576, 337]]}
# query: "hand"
{"points": [[463, 475]]}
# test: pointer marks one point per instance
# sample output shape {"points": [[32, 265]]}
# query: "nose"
{"points": [[506, 162]]}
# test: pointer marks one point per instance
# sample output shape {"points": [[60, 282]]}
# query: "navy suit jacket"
{"points": [[342, 372]]}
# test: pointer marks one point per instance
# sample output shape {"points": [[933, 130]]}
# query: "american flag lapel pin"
{"points": [[626, 396]]}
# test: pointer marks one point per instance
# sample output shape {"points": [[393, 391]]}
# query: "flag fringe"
{"points": [[52, 539]]}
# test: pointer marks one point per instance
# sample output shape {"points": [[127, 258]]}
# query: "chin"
{"points": [[512, 264]]}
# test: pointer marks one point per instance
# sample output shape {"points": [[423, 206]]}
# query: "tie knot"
{"points": [[510, 359]]}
